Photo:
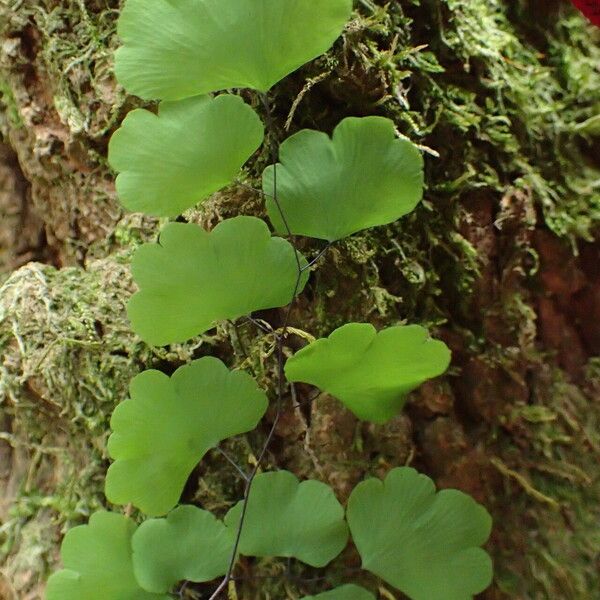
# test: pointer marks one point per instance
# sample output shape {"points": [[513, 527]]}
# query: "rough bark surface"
{"points": [[501, 260]]}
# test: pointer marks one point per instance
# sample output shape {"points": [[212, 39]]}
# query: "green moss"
{"points": [[77, 45], [9, 108], [559, 447], [502, 104], [501, 101], [68, 355]]}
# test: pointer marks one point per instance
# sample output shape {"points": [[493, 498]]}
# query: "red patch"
{"points": [[590, 8]]}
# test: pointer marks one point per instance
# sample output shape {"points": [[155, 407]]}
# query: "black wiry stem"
{"points": [[280, 363], [232, 462]]}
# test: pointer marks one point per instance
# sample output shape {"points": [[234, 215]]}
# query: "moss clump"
{"points": [[553, 443], [67, 356], [58, 102], [9, 108], [73, 42]]}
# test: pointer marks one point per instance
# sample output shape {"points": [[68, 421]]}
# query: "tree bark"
{"points": [[501, 261]]}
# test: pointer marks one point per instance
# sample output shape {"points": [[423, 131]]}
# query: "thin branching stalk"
{"points": [[280, 361]]}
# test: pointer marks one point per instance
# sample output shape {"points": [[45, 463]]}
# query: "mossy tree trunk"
{"points": [[501, 260]]}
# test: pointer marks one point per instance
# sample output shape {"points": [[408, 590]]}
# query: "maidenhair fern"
{"points": [[189, 544], [370, 372], [173, 160], [192, 279], [331, 188], [288, 518], [432, 550], [169, 424], [98, 563], [173, 49], [425, 544]]}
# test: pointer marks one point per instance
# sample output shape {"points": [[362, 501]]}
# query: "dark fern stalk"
{"points": [[280, 337]]}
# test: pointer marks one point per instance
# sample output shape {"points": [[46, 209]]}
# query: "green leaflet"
{"points": [[330, 188], [370, 372], [189, 544], [305, 521], [97, 561], [345, 592], [173, 49], [169, 424], [423, 543], [192, 148], [288, 518], [193, 278]]}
